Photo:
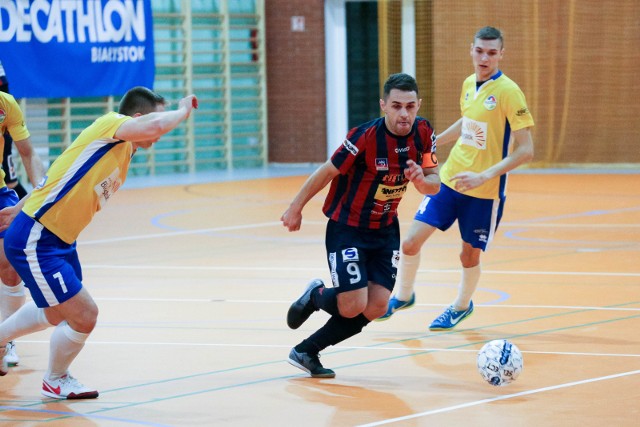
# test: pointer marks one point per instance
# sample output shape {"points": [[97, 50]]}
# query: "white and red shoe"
{"points": [[67, 387]]}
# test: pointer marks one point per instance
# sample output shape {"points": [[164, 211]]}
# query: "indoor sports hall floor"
{"points": [[193, 281]]}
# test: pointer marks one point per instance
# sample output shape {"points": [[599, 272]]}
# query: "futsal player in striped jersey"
{"points": [[491, 138], [41, 240], [369, 173], [13, 130]]}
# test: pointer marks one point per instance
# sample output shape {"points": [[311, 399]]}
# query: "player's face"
{"points": [[486, 55], [400, 109]]}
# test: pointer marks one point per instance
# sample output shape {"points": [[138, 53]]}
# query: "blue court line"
{"points": [[385, 359]]}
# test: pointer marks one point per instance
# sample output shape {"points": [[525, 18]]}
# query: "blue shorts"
{"points": [[357, 256], [478, 219], [8, 197], [49, 267]]}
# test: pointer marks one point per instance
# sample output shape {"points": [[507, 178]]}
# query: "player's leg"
{"points": [[478, 220], [67, 340], [435, 212], [12, 292], [345, 301], [51, 270], [405, 297]]}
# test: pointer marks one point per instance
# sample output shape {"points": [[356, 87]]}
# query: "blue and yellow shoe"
{"points": [[395, 304], [450, 318]]}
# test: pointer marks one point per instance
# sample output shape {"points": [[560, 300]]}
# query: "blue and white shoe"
{"points": [[395, 304], [450, 318]]}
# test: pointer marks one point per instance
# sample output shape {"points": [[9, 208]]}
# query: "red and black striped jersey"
{"points": [[371, 161]]}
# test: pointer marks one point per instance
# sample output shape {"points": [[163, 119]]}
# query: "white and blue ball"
{"points": [[500, 362]]}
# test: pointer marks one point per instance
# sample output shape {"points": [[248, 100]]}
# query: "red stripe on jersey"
{"points": [[371, 162]]}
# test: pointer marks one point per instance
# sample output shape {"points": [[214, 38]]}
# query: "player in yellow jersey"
{"points": [[492, 138], [41, 240], [12, 125]]}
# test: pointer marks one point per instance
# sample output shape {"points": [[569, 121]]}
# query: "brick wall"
{"points": [[296, 98]]}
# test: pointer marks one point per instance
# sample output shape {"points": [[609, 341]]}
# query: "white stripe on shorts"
{"points": [[494, 220], [34, 267]]}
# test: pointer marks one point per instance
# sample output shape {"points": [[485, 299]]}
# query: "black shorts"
{"points": [[357, 256]]}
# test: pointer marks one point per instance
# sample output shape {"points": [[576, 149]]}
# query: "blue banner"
{"points": [[76, 48]]}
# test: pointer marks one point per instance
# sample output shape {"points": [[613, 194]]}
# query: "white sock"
{"points": [[11, 299], [468, 285], [28, 319], [407, 275], [65, 346]]}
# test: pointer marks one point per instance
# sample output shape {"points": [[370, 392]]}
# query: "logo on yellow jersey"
{"points": [[490, 103]]}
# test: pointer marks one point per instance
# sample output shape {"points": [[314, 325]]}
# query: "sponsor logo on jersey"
{"points": [[474, 133], [108, 187], [522, 111], [350, 147], [387, 192], [490, 103], [382, 164], [402, 150], [350, 254], [3, 115], [393, 179]]}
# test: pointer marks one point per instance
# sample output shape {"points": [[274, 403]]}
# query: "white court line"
{"points": [[498, 398], [180, 233], [279, 224], [336, 349], [288, 268], [245, 301]]}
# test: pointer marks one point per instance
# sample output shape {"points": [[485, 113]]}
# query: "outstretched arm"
{"points": [[292, 217], [150, 127]]}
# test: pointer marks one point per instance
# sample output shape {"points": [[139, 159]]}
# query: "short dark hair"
{"points": [[489, 33], [139, 100], [400, 81]]}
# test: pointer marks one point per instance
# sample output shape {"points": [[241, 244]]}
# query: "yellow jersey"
{"points": [[82, 179], [11, 120], [489, 114]]}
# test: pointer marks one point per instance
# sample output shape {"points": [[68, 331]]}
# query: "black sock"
{"points": [[336, 330], [307, 347], [326, 299]]}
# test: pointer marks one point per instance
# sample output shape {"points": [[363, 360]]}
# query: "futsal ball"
{"points": [[499, 362]]}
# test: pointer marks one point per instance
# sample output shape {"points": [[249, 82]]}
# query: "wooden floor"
{"points": [[193, 284]]}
